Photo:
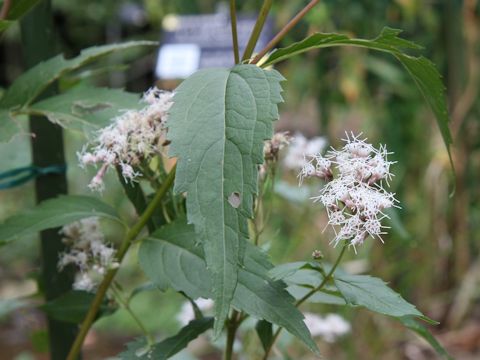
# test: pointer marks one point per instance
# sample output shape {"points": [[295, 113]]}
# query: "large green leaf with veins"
{"points": [[375, 295], [217, 126], [54, 213], [85, 108], [171, 258], [30, 85]]}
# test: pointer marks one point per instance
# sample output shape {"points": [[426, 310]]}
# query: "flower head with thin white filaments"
{"points": [[134, 136], [354, 196]]}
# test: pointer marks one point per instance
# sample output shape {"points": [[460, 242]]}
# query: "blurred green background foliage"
{"points": [[431, 255]]}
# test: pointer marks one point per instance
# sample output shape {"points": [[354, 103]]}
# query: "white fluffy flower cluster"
{"points": [[134, 136], [187, 314], [354, 195], [88, 252], [271, 151], [300, 148], [330, 327], [272, 147]]}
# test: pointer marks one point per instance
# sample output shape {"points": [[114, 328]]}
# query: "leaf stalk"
{"points": [[257, 29], [232, 326], [294, 21], [233, 22]]}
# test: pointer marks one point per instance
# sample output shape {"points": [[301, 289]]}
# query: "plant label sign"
{"points": [[194, 42]]}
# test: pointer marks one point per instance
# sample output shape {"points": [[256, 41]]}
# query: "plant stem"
{"points": [[257, 29], [325, 279], [284, 31], [136, 196], [107, 280], [233, 21], [232, 327], [308, 295]]}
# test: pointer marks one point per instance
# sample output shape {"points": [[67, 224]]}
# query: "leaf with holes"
{"points": [[217, 126], [85, 107]]}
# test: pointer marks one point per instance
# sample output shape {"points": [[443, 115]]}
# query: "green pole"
{"points": [[38, 40]]}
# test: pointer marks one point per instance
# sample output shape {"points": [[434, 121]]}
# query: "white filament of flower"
{"points": [[134, 136], [88, 252], [354, 196]]}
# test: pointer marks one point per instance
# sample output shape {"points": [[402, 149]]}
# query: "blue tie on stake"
{"points": [[19, 176]]}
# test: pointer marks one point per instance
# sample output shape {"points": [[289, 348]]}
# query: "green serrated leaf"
{"points": [[28, 86], [217, 126], [387, 41], [375, 295], [282, 271], [54, 213], [423, 72], [31, 83], [85, 108], [297, 269], [325, 296], [429, 82], [139, 349], [423, 332], [174, 261], [73, 307], [301, 277], [171, 259]]}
